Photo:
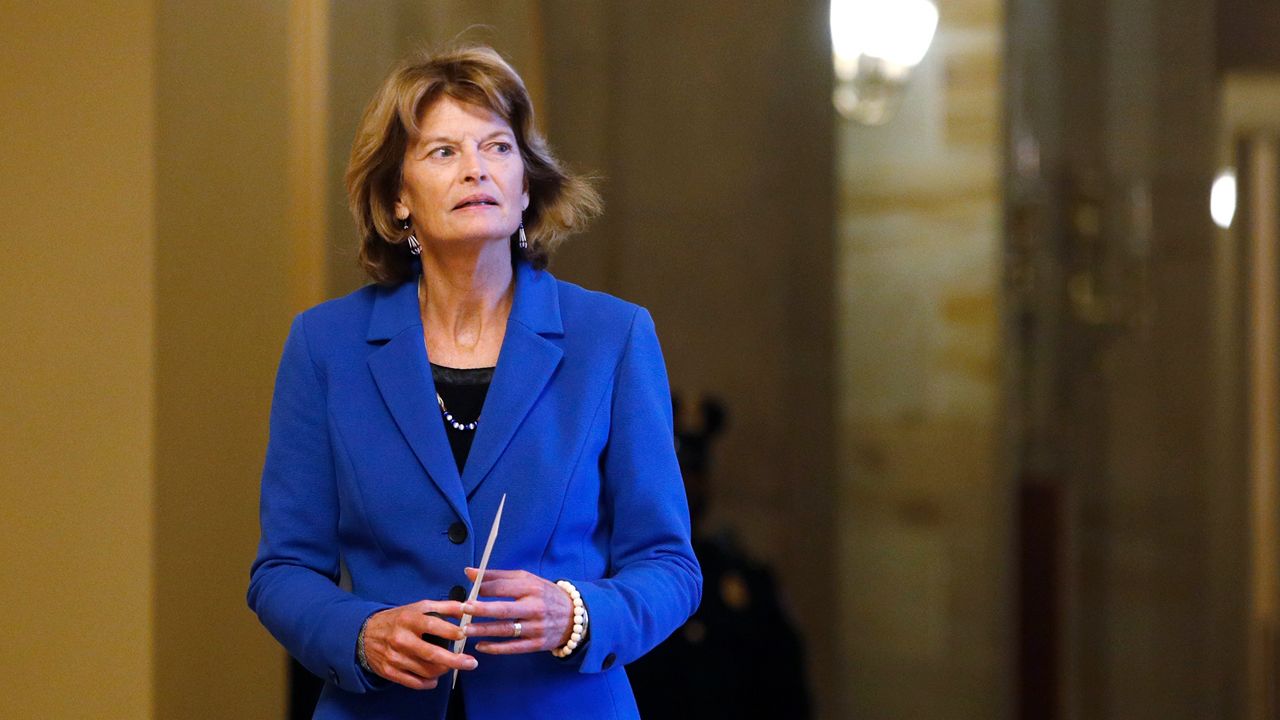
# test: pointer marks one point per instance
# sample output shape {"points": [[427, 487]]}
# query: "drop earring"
{"points": [[415, 247], [523, 241]]}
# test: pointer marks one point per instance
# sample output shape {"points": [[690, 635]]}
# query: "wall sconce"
{"points": [[1222, 198], [875, 45]]}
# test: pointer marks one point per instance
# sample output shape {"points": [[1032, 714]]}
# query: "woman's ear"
{"points": [[402, 210]]}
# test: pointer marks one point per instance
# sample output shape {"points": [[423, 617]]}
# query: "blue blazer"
{"points": [[360, 481]]}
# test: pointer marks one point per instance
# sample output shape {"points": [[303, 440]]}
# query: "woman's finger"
{"points": [[511, 647], [431, 624], [438, 662], [498, 574], [409, 680], [409, 664], [506, 609], [529, 628], [449, 608], [425, 652], [508, 587]]}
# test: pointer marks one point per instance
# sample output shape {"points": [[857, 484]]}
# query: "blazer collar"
{"points": [[526, 364]]}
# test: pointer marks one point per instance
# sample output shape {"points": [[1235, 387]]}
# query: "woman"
{"points": [[405, 411]]}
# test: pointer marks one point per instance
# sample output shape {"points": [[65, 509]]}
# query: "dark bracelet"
{"points": [[364, 661]]}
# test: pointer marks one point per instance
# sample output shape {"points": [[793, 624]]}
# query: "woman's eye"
{"points": [[441, 152], [502, 147]]}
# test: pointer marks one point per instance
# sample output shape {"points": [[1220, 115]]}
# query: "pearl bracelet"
{"points": [[579, 620]]}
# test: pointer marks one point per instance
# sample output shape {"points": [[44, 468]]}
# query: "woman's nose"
{"points": [[474, 166]]}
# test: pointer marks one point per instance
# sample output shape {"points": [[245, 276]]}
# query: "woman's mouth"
{"points": [[476, 201]]}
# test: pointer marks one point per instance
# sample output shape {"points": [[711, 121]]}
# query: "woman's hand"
{"points": [[395, 650], [544, 611]]}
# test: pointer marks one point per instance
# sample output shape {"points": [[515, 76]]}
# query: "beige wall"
{"points": [[77, 362], [223, 307], [925, 534], [146, 294]]}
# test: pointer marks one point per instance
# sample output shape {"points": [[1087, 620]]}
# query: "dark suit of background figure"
{"points": [[739, 656]]}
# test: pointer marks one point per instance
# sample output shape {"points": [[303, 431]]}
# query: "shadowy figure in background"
{"points": [[739, 656], [304, 691]]}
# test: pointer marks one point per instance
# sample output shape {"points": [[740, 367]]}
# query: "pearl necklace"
{"points": [[448, 417]]}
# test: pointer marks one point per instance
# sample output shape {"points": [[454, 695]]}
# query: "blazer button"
{"points": [[457, 593], [458, 533], [608, 661]]}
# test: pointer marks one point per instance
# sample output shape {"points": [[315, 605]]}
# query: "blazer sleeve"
{"points": [[654, 582], [293, 584]]}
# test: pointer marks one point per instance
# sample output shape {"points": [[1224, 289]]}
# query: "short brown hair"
{"points": [[559, 203]]}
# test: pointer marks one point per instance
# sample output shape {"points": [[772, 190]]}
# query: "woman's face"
{"points": [[463, 181]]}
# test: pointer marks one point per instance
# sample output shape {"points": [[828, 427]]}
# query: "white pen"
{"points": [[458, 645]]}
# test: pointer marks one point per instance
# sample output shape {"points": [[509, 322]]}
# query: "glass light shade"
{"points": [[1222, 198], [875, 46]]}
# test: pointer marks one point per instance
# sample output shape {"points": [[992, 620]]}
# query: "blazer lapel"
{"points": [[403, 376], [526, 364]]}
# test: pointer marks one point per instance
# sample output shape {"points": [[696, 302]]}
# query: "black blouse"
{"points": [[463, 392]]}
